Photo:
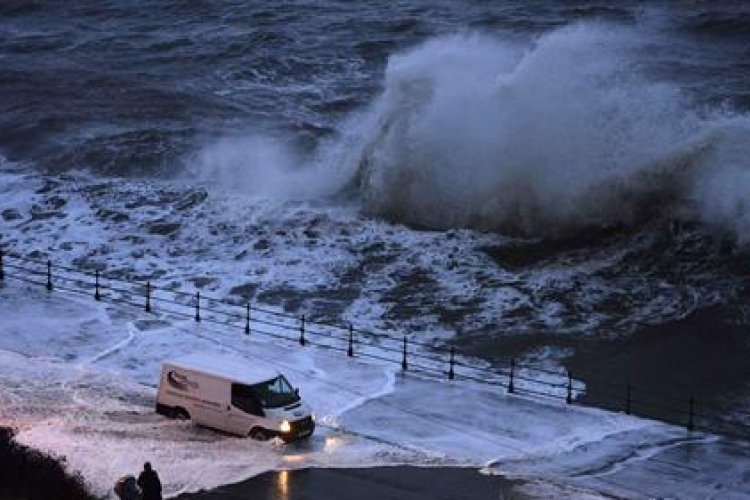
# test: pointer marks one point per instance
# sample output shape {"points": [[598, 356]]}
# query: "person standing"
{"points": [[149, 482]]}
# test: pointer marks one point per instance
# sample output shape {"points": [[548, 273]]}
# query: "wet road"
{"points": [[381, 483]]}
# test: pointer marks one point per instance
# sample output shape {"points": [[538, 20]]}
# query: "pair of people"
{"points": [[147, 487]]}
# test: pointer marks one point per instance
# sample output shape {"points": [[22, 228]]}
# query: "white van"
{"points": [[232, 396]]}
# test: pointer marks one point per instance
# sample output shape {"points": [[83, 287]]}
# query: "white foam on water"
{"points": [[83, 386]]}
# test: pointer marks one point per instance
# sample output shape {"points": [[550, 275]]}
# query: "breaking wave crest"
{"points": [[568, 134]]}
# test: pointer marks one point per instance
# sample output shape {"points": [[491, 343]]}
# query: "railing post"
{"points": [[627, 399], [569, 398], [148, 296], [451, 364], [97, 295], [404, 364], [49, 276], [350, 349], [691, 414], [247, 318], [512, 380], [197, 307], [2, 271], [302, 331]]}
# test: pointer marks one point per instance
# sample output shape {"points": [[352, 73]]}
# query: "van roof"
{"points": [[227, 367]]}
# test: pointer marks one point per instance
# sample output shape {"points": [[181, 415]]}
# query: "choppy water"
{"points": [[132, 87], [486, 168]]}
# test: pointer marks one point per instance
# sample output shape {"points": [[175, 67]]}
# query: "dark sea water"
{"points": [[510, 175], [132, 87]]}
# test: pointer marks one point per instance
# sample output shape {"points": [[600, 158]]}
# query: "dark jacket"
{"points": [[150, 485], [127, 489]]}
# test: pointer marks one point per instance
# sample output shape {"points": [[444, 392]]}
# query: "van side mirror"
{"points": [[296, 391]]}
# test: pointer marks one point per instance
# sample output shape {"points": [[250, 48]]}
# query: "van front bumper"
{"points": [[299, 429]]}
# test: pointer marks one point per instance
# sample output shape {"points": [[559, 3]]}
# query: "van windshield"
{"points": [[275, 392]]}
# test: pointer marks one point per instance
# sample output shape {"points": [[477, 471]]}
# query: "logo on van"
{"points": [[180, 381]]}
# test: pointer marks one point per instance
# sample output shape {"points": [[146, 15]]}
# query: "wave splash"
{"points": [[473, 131], [262, 165]]}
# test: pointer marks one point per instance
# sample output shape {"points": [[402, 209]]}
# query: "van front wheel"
{"points": [[259, 434]]}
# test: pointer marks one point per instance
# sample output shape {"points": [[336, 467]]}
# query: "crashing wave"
{"points": [[473, 131]]}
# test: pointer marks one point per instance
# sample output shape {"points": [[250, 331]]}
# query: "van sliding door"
{"points": [[246, 410]]}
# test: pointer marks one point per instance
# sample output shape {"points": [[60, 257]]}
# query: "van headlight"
{"points": [[285, 426]]}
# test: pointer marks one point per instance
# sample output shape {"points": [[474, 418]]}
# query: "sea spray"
{"points": [[558, 136], [265, 166], [568, 134], [252, 164], [720, 189]]}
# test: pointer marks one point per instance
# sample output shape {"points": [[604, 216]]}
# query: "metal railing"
{"points": [[407, 350]]}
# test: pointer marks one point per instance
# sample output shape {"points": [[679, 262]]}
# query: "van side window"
{"points": [[243, 397]]}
